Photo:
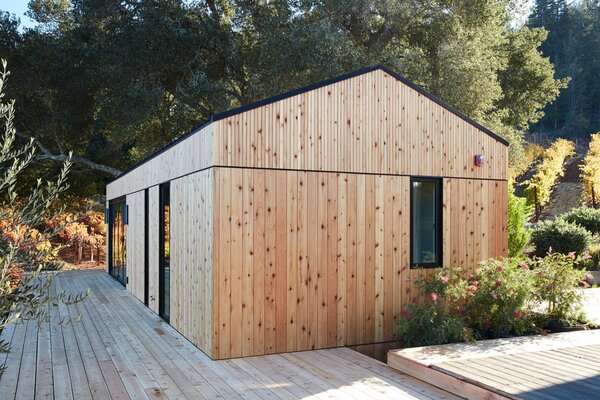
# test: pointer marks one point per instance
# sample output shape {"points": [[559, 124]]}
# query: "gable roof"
{"points": [[308, 88]]}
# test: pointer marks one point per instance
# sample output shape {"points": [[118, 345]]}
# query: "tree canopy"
{"points": [[573, 46], [115, 80]]}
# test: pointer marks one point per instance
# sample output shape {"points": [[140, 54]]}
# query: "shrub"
{"points": [[590, 170], [505, 297], [518, 213], [499, 305], [426, 326], [440, 321], [589, 218], [560, 236], [554, 281]]}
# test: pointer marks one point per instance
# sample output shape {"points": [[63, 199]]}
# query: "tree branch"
{"points": [[46, 154]]}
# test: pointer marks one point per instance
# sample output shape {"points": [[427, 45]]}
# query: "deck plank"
{"points": [[563, 366], [120, 350]]}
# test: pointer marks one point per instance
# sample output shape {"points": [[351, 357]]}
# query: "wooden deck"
{"points": [[563, 366], [122, 350]]}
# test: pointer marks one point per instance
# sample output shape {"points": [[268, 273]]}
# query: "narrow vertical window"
{"points": [[164, 281], [146, 249], [426, 222]]}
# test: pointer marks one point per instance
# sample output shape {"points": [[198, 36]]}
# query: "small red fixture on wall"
{"points": [[479, 159]]}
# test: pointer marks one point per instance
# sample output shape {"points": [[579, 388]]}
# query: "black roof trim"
{"points": [[317, 85]]}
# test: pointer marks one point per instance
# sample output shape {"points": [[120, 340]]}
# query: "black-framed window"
{"points": [[117, 239], [426, 222], [164, 278]]}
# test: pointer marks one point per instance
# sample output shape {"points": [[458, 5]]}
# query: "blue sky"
{"points": [[17, 7]]}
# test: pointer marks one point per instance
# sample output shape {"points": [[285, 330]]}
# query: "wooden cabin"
{"points": [[301, 221]]}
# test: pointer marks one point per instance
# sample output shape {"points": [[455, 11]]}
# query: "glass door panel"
{"points": [[164, 301], [117, 265]]}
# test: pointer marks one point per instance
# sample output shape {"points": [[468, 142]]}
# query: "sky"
{"points": [[17, 7]]}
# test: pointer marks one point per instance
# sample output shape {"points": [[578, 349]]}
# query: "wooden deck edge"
{"points": [[443, 380]]}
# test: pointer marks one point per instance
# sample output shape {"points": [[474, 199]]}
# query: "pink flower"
{"points": [[589, 276], [498, 282], [445, 279], [539, 272], [524, 265], [500, 268], [433, 296], [471, 277], [474, 283], [571, 255], [519, 314], [586, 257]]}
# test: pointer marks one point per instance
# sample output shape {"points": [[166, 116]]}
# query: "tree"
{"points": [[25, 251], [175, 63], [573, 46], [590, 170], [519, 212], [539, 187]]}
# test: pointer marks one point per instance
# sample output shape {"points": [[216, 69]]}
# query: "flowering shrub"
{"points": [[440, 320], [502, 298], [499, 305]]}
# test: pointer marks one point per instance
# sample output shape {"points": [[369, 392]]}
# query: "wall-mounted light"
{"points": [[126, 215], [479, 159]]}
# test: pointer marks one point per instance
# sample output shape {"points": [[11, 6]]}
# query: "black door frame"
{"points": [[121, 277], [161, 249]]}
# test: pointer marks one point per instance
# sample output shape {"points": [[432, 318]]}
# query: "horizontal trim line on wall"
{"points": [[312, 170]]}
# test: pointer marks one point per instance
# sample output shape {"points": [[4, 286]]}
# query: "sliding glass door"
{"points": [[164, 281], [117, 242]]}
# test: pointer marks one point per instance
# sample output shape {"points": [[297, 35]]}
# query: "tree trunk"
{"points": [[79, 252]]}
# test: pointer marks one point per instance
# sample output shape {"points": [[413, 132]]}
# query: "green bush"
{"points": [[560, 236], [426, 326], [589, 218], [518, 213], [555, 278]]}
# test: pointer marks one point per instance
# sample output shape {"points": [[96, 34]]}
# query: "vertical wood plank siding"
{"points": [[342, 278], [370, 123], [191, 248], [290, 223]]}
